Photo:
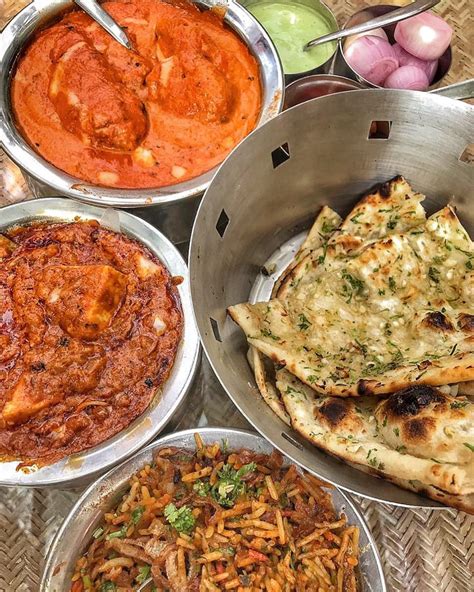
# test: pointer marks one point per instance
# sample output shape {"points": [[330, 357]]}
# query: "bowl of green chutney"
{"points": [[291, 24]]}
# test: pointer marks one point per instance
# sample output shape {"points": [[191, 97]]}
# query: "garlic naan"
{"points": [[420, 435], [386, 301]]}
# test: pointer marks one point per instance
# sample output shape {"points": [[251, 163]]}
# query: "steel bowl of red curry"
{"points": [[89, 119], [98, 345]]}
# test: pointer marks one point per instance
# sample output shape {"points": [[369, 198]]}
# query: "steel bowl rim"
{"points": [[174, 390], [30, 18], [175, 439], [236, 398]]}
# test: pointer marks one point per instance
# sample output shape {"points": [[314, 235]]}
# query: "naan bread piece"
{"points": [[351, 429], [391, 208], [460, 502], [325, 223], [264, 371], [425, 422], [394, 311]]}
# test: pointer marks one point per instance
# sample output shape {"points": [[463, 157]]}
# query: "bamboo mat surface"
{"points": [[421, 550]]}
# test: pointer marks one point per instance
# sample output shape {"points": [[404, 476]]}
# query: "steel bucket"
{"points": [[270, 188]]}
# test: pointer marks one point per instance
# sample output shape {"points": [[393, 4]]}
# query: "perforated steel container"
{"points": [[269, 190]]}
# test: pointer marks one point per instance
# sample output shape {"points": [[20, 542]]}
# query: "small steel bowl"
{"points": [[78, 469], [330, 18], [318, 85], [76, 531], [175, 204], [342, 67]]}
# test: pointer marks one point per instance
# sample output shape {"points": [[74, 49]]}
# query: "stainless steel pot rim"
{"points": [[112, 480], [82, 466], [19, 29]]}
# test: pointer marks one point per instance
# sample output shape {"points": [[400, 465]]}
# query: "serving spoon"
{"points": [[381, 21], [95, 10]]}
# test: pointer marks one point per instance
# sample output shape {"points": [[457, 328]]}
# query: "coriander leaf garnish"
{"points": [[181, 519], [267, 333], [229, 484], [327, 227], [433, 274], [352, 286], [470, 446], [137, 514], [118, 534], [304, 323], [202, 488], [459, 404], [143, 573], [392, 223]]}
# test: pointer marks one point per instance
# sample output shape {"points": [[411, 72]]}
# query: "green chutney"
{"points": [[291, 25]]}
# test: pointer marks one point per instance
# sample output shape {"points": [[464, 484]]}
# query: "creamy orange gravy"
{"points": [[164, 113]]}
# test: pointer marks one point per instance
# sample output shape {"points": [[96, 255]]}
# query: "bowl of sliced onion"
{"points": [[413, 54]]}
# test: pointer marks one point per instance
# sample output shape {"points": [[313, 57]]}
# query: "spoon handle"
{"points": [[94, 10], [381, 21], [458, 90]]}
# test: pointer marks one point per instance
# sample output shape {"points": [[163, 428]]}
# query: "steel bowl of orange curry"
{"points": [[91, 119]]}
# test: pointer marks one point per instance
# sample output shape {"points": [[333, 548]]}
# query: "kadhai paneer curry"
{"points": [[90, 322], [166, 112]]}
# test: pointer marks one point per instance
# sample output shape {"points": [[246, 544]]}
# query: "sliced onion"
{"points": [[372, 57], [425, 36], [406, 59], [409, 78], [375, 33]]}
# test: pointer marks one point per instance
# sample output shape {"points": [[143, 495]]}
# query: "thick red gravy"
{"points": [[90, 322], [164, 113]]}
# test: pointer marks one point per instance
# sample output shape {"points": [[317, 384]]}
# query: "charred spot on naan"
{"points": [[438, 321], [418, 429], [466, 322], [339, 414], [367, 387], [412, 400]]}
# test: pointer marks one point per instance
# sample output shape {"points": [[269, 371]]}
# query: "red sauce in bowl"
{"points": [[90, 322], [166, 112]]}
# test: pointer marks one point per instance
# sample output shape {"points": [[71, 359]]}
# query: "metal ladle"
{"points": [[381, 21], [95, 10]]}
